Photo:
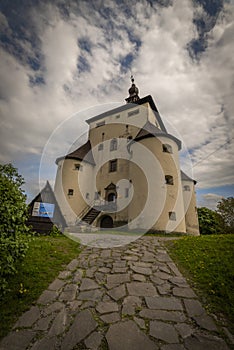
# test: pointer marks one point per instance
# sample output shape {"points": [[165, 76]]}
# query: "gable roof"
{"points": [[82, 153], [150, 130], [127, 106]]}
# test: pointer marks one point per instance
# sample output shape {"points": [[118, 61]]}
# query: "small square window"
{"points": [[117, 116], [169, 180], [187, 188], [167, 148], [172, 215], [87, 195], [70, 192], [100, 147], [113, 145], [136, 111], [78, 167], [126, 192], [112, 166]]}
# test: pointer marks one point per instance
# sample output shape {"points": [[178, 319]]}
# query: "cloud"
{"points": [[210, 200], [77, 56]]}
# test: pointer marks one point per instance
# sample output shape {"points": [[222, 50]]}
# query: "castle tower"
{"points": [[127, 173]]}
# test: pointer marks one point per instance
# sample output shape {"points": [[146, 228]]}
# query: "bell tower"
{"points": [[133, 93]]}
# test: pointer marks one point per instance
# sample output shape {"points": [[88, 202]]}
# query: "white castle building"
{"points": [[127, 174]]}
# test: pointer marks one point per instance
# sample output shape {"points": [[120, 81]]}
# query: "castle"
{"points": [[127, 174]]}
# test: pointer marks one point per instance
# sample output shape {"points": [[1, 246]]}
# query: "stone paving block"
{"points": [[206, 322], [142, 264], [117, 292], [130, 258], [156, 280], [206, 342], [47, 297], [148, 257], [28, 318], [64, 274], [139, 322], [106, 307], [174, 269], [139, 278], [59, 323], [93, 341], [77, 276], [74, 305], [43, 323], [82, 326], [163, 257], [163, 331], [119, 270], [183, 292], [111, 318], [117, 279], [193, 307], [164, 303], [141, 289], [87, 284], [162, 275], [142, 270], [104, 269], [88, 304], [173, 347], [45, 344], [178, 281], [164, 268], [69, 292], [175, 316], [56, 306], [127, 336], [100, 277], [130, 304], [56, 284], [73, 265], [17, 340], [184, 329], [164, 289], [93, 295]]}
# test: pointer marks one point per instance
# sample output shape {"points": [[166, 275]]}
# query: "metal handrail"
{"points": [[84, 211]]}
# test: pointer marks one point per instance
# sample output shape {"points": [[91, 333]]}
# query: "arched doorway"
{"points": [[111, 197], [106, 222]]}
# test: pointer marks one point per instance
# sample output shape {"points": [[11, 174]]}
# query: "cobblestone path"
{"points": [[125, 298]]}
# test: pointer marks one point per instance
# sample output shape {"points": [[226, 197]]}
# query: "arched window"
{"points": [[113, 145]]}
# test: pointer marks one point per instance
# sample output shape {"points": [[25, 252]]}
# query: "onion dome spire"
{"points": [[133, 93]]}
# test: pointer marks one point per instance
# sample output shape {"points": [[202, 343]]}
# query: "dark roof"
{"points": [[186, 177], [47, 195], [82, 153], [150, 130], [127, 106]]}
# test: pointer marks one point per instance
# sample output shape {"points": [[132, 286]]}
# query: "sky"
{"points": [[62, 57]]}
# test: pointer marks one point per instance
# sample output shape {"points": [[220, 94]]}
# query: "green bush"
{"points": [[14, 233], [210, 222]]}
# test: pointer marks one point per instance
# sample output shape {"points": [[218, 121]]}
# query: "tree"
{"points": [[14, 232], [225, 208], [210, 222]]}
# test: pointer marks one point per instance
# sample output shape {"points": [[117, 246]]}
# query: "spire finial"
{"points": [[133, 92]]}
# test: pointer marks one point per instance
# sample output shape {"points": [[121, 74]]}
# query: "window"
{"points": [[167, 148], [136, 111], [70, 192], [113, 145], [186, 188], [112, 166], [126, 192], [100, 147], [100, 123], [169, 180], [97, 195], [172, 215], [129, 138], [78, 167], [87, 195], [117, 116]]}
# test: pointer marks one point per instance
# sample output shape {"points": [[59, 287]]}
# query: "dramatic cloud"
{"points": [[65, 58]]}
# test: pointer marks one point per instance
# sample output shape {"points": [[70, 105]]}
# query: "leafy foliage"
{"points": [[14, 232], [225, 209], [210, 222]]}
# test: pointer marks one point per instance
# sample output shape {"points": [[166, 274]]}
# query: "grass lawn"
{"points": [[208, 262], [45, 258]]}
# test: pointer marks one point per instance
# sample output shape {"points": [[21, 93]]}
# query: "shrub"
{"points": [[14, 233], [210, 222]]}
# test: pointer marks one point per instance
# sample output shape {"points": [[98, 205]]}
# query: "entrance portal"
{"points": [[106, 222], [111, 197]]}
